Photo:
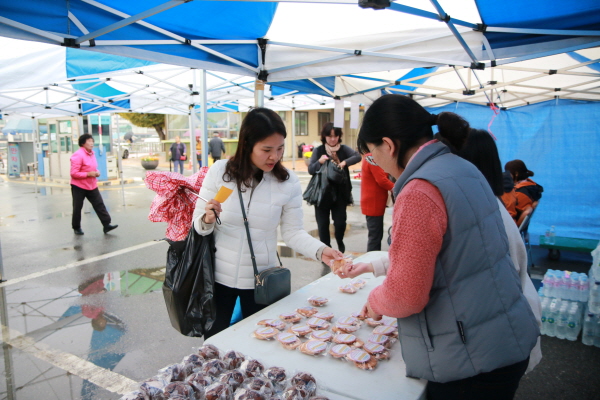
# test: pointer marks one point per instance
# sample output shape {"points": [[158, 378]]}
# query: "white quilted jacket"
{"points": [[273, 203]]}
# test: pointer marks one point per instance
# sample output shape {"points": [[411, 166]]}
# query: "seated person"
{"points": [[509, 197], [526, 190]]}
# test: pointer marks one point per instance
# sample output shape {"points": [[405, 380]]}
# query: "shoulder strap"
{"points": [[248, 236]]}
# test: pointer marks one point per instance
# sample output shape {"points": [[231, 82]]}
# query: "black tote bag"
{"points": [[316, 187], [189, 284]]}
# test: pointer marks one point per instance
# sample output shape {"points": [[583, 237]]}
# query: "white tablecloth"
{"points": [[336, 379]]}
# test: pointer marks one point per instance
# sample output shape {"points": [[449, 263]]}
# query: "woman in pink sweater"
{"points": [[464, 324]]}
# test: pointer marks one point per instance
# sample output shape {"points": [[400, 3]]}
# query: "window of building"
{"points": [[301, 123], [324, 117], [282, 114]]}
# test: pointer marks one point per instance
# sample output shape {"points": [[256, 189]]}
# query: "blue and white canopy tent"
{"points": [[444, 53]]}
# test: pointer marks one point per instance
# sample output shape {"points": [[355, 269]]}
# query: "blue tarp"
{"points": [[560, 142]]}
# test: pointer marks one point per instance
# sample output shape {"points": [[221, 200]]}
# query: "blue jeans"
{"points": [[176, 163]]}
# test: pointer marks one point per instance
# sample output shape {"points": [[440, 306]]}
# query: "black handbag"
{"points": [[316, 187], [272, 284], [189, 284], [335, 174]]}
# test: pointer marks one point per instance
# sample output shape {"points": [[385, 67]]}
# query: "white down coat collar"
{"points": [[272, 204]]}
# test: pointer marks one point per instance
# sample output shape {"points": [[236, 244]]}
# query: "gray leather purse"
{"points": [[272, 284]]}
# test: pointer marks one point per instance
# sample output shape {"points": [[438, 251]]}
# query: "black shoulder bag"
{"points": [[272, 284]]}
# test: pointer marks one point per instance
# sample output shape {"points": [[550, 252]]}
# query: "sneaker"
{"points": [[109, 228], [78, 231]]}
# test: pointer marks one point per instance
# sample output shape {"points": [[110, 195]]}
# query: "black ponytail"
{"points": [[453, 130]]}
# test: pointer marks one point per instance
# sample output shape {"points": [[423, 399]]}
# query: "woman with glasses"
{"points": [[337, 196], [464, 324]]}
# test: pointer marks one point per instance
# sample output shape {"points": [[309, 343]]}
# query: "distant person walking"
{"points": [[84, 171], [216, 147], [375, 186], [177, 151], [199, 150]]}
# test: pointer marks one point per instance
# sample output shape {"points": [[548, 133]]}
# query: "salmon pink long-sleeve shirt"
{"points": [[419, 224], [82, 162]]}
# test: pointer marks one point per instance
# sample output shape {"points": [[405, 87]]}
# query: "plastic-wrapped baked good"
{"points": [[288, 340], [362, 359], [313, 347], [348, 288], [274, 323], [319, 398], [300, 330], [218, 391], [209, 351], [342, 328], [357, 315], [252, 368], [213, 367], [178, 388], [265, 333], [137, 395], [307, 311], [386, 330], [153, 388], [379, 339], [233, 359], [295, 393], [387, 321], [261, 385], [198, 381], [346, 338], [317, 301], [276, 374], [305, 380], [339, 350], [194, 359], [233, 378], [327, 316], [322, 335], [371, 322], [348, 321], [337, 264], [290, 318], [358, 283], [377, 350], [249, 394], [317, 323], [173, 373]]}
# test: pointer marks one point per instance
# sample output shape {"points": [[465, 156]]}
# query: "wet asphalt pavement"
{"points": [[84, 316]]}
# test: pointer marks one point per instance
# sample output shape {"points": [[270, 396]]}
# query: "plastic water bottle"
{"points": [[562, 320], [552, 236], [584, 288], [560, 284], [589, 329], [597, 330], [547, 237], [552, 316], [549, 287], [545, 311], [573, 322], [574, 286], [594, 300]]}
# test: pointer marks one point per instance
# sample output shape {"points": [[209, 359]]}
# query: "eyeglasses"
{"points": [[370, 160]]}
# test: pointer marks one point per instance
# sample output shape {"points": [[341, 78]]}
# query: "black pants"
{"points": [[216, 158], [94, 197], [499, 384], [375, 227], [225, 298], [338, 214]]}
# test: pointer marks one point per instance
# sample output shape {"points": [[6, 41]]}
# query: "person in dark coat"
{"points": [[216, 147], [338, 195], [178, 156]]}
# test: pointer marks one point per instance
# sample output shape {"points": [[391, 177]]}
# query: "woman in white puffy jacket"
{"points": [[272, 197]]}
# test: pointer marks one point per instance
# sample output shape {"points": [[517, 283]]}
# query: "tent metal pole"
{"points": [[119, 158], [204, 118], [293, 134], [191, 125], [193, 104], [36, 140], [259, 93]]}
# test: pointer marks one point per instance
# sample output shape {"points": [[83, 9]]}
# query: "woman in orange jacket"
{"points": [[526, 190]]}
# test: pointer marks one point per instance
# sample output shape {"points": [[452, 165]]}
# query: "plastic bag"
{"points": [[316, 187], [335, 174], [189, 284]]}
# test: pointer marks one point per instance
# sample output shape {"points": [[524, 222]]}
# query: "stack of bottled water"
{"points": [[565, 285], [591, 320]]}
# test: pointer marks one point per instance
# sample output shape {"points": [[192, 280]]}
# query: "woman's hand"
{"points": [[367, 312], [212, 207], [330, 254], [354, 270], [94, 174], [323, 158], [342, 164]]}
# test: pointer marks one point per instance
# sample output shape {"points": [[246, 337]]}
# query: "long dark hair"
{"points": [[326, 131], [259, 124], [407, 123], [480, 149]]}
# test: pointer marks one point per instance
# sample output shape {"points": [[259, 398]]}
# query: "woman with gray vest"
{"points": [[464, 324]]}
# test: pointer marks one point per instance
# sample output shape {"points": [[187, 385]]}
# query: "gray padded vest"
{"points": [[477, 318]]}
